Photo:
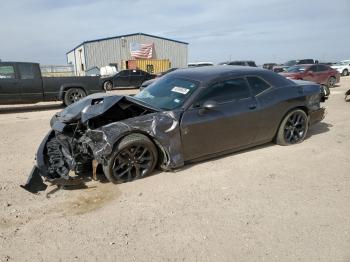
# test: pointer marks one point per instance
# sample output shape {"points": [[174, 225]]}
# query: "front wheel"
{"points": [[73, 95], [345, 72], [134, 157], [293, 128], [326, 90]]}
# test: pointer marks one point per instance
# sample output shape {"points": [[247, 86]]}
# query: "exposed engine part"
{"points": [[57, 165]]}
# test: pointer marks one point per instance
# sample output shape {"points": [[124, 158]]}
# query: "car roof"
{"points": [[209, 74]]}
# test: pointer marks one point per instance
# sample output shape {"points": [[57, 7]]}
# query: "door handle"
{"points": [[251, 107]]}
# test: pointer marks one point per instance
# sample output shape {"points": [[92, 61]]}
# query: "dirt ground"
{"points": [[270, 203]]}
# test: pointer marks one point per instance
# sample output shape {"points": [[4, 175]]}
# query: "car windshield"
{"points": [[291, 63], [167, 93], [295, 69]]}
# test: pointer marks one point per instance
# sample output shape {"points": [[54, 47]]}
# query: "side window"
{"points": [[322, 68], [225, 91], [313, 68], [307, 61], [257, 85], [251, 63], [124, 73], [237, 63], [7, 72], [26, 71], [135, 73]]}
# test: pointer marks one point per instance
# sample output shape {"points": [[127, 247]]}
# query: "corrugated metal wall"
{"points": [[117, 50]]}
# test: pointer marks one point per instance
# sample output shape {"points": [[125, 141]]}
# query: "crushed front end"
{"points": [[61, 158], [88, 130]]}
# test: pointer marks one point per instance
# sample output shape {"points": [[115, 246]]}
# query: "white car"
{"points": [[343, 67]]}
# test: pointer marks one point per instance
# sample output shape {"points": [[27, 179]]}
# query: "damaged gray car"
{"points": [[187, 115]]}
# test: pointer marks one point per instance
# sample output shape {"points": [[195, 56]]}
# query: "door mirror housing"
{"points": [[209, 105]]}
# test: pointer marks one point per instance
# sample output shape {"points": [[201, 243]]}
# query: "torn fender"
{"points": [[162, 127]]}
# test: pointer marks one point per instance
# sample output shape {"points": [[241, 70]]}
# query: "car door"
{"points": [[323, 73], [122, 79], [31, 82], [311, 74], [269, 108], [10, 89], [231, 124], [136, 78]]}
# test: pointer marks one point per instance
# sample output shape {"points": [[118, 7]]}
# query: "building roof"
{"points": [[120, 36]]}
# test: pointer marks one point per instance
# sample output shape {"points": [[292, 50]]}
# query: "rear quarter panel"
{"points": [[277, 102]]}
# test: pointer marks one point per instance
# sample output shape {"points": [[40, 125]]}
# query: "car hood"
{"points": [[289, 74], [92, 106], [338, 66]]}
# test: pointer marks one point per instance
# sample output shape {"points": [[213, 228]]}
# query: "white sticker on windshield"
{"points": [[180, 90]]}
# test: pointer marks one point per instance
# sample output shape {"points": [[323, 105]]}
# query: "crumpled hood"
{"points": [[88, 107], [93, 106]]}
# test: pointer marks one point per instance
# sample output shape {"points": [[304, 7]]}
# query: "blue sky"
{"points": [[264, 31]]}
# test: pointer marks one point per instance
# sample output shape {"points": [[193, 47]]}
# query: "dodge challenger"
{"points": [[188, 115]]}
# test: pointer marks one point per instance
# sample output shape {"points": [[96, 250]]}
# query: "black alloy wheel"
{"points": [[132, 162], [135, 157], [73, 95], [293, 128], [325, 90]]}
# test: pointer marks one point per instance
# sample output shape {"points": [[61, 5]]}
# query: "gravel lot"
{"points": [[270, 203]]}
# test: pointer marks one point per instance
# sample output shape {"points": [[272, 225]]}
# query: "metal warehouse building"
{"points": [[117, 51]]}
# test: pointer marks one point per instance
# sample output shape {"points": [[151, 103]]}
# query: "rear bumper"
{"points": [[317, 116]]}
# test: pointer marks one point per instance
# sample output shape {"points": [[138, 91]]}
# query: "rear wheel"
{"points": [[73, 95], [331, 82], [134, 157], [293, 128], [108, 86], [345, 72]]}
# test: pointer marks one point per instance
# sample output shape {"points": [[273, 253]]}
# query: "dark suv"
{"points": [[239, 63], [283, 68], [301, 62], [126, 78]]}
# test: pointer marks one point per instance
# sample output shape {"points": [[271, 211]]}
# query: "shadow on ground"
{"points": [[29, 108], [317, 129]]}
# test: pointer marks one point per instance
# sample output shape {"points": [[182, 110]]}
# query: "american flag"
{"points": [[138, 50]]}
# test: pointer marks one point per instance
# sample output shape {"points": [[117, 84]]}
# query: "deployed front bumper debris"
{"points": [[34, 183]]}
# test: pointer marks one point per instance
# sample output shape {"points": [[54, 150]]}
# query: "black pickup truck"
{"points": [[22, 83]]}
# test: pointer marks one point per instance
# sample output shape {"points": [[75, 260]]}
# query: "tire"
{"points": [[108, 86], [326, 90], [331, 82], [134, 157], [293, 128], [345, 72], [73, 95]]}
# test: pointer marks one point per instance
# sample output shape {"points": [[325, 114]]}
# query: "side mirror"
{"points": [[209, 105]]}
